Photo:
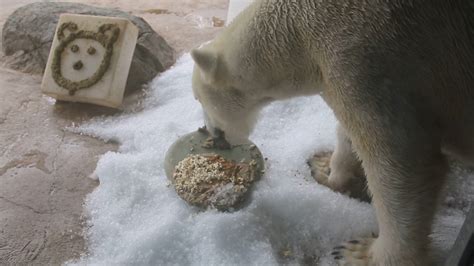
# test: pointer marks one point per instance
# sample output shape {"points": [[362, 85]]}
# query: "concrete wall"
{"points": [[235, 6]]}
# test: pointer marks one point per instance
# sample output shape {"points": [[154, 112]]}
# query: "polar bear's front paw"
{"points": [[354, 253], [319, 165]]}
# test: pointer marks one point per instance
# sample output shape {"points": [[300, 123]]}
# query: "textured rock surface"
{"points": [[28, 33], [43, 173]]}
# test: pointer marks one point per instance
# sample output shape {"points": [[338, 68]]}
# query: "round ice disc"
{"points": [[194, 143]]}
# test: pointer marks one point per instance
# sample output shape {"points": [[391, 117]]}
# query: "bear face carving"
{"points": [[82, 57]]}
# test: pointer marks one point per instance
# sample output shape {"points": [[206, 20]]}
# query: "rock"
{"points": [[28, 34]]}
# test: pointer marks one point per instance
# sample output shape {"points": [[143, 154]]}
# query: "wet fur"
{"points": [[398, 76]]}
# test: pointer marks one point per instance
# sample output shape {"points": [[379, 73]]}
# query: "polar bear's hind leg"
{"points": [[405, 176]]}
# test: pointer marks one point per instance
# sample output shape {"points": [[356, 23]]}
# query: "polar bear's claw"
{"points": [[354, 252]]}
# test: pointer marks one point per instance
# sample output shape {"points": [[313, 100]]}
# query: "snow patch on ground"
{"points": [[137, 218]]}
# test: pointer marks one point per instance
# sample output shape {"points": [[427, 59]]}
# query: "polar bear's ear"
{"points": [[207, 61]]}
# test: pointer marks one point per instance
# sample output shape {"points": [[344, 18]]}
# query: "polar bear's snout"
{"points": [[210, 126], [227, 108]]}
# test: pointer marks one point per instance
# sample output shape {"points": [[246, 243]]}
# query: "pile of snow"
{"points": [[137, 218]]}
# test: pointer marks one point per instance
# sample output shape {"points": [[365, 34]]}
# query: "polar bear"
{"points": [[399, 77]]}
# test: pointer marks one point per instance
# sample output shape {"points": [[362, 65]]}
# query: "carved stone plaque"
{"points": [[89, 60]]}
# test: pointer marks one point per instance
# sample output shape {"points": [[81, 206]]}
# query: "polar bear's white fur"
{"points": [[399, 77]]}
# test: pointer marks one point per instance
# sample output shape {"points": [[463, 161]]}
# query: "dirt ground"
{"points": [[44, 168]]}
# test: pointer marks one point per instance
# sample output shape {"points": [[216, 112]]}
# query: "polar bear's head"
{"points": [[229, 98]]}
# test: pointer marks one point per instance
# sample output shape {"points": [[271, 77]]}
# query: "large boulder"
{"points": [[29, 31]]}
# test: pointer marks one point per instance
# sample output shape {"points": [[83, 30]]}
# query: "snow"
{"points": [[135, 217]]}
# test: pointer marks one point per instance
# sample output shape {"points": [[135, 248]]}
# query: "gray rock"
{"points": [[29, 32]]}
